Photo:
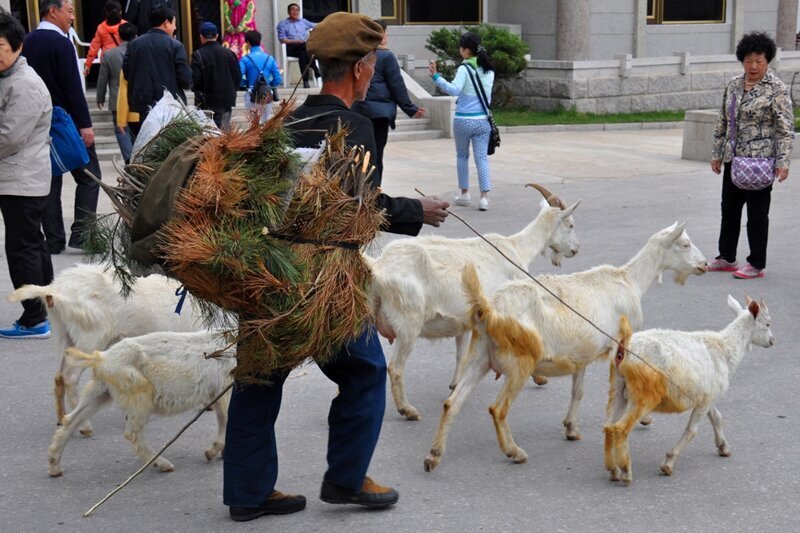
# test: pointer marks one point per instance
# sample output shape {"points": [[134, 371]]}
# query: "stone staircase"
{"points": [[106, 143]]}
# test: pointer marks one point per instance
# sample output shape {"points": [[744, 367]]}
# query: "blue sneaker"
{"points": [[39, 331]]}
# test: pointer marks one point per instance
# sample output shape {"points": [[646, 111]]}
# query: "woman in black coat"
{"points": [[386, 92]]}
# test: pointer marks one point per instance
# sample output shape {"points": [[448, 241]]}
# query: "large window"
{"points": [[427, 12], [316, 10], [685, 11]]}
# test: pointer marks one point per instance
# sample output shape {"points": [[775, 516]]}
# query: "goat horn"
{"points": [[551, 198]]}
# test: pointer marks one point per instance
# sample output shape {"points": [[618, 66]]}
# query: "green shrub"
{"points": [[506, 49]]}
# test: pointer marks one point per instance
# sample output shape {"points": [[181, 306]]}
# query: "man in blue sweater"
{"points": [[52, 55]]}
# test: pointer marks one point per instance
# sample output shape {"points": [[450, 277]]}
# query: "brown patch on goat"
{"points": [[50, 301], [508, 334], [754, 308], [59, 397]]}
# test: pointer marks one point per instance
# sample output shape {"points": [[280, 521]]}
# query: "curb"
{"points": [[622, 126]]}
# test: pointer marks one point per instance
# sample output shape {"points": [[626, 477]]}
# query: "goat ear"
{"points": [[733, 304], [569, 210], [676, 230], [753, 307]]}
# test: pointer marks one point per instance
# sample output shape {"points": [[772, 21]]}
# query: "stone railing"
{"points": [[623, 84]]}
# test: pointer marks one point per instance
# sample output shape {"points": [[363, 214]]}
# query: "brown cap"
{"points": [[344, 37]]}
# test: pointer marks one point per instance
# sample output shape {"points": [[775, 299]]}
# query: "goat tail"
{"points": [[79, 359], [33, 292], [480, 309], [507, 333]]}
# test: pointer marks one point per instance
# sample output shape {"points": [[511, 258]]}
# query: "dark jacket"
{"points": [[53, 58], [215, 76], [153, 62], [386, 91], [404, 215], [138, 13]]}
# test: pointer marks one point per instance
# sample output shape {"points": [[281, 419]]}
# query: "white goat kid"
{"points": [[525, 330], [163, 373], [416, 287], [683, 371], [87, 312]]}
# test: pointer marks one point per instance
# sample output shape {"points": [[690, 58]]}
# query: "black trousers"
{"points": [[26, 252], [733, 200], [298, 50], [86, 193], [381, 127]]}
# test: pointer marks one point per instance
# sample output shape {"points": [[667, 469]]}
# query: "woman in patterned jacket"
{"points": [[764, 125]]}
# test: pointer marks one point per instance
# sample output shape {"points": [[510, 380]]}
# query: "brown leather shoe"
{"points": [[370, 495], [277, 503]]}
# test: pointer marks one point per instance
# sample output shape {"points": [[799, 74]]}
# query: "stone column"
{"points": [[5, 4], [787, 24], [640, 28], [573, 29], [370, 8], [737, 24]]}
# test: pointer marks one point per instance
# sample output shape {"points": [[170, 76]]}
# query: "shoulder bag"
{"points": [[748, 173], [494, 136], [67, 151]]}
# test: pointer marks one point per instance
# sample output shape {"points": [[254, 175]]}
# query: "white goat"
{"points": [[525, 330], [416, 286], [87, 312], [163, 373], [683, 370]]}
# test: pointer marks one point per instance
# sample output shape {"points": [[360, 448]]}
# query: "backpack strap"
{"points": [[479, 91], [260, 70]]}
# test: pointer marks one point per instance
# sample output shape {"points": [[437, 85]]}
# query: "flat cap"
{"points": [[344, 37], [208, 29]]}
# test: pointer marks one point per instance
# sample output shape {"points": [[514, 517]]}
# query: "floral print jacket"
{"points": [[764, 121]]}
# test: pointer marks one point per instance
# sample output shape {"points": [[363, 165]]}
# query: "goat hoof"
{"points": [[519, 456], [724, 451], [666, 470], [646, 420], [55, 472], [614, 472], [540, 380], [410, 414], [86, 432], [432, 461], [210, 454], [574, 436]]}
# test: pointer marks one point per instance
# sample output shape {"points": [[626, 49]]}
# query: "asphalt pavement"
{"points": [[632, 184]]}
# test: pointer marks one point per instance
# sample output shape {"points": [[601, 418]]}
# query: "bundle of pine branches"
{"points": [[277, 247]]}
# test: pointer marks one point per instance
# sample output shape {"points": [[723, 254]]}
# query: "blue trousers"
{"points": [[478, 131], [354, 424]]}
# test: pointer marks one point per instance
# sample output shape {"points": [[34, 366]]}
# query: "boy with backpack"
{"points": [[260, 76]]}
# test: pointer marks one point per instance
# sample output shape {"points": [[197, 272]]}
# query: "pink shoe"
{"points": [[748, 271], [720, 265]]}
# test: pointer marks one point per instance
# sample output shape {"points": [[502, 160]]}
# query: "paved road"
{"points": [[632, 184]]}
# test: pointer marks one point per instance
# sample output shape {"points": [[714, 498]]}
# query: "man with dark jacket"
{"points": [[154, 62], [215, 76], [137, 12], [52, 55], [345, 45]]}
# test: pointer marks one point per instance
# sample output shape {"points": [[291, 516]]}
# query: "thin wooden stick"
{"points": [[157, 455]]}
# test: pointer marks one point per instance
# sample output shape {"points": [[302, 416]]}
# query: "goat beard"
{"points": [[555, 258], [680, 277]]}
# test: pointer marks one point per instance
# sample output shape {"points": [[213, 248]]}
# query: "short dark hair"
{"points": [[253, 38], [289, 7], [756, 42], [111, 7], [11, 30], [45, 5], [127, 31], [159, 14]]}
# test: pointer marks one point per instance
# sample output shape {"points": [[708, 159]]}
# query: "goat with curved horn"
{"points": [[553, 199]]}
